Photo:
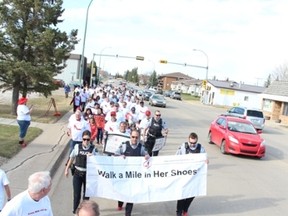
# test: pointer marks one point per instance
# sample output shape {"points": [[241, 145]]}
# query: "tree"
{"points": [[280, 73], [33, 49], [132, 76], [153, 79], [91, 73], [268, 81]]}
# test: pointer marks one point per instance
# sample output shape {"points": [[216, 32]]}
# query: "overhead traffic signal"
{"points": [[163, 61], [140, 58], [204, 83]]}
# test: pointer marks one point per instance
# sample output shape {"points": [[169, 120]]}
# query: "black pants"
{"points": [[79, 179], [149, 145], [183, 205], [99, 135], [128, 209]]}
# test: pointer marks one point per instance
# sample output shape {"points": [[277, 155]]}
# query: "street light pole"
{"points": [[83, 47], [92, 71], [98, 71], [199, 50]]}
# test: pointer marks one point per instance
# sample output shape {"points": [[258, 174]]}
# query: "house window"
{"points": [[267, 105], [285, 109], [246, 98]]}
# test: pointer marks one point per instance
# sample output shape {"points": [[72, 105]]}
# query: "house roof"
{"points": [[236, 86], [188, 82], [177, 75], [279, 88]]}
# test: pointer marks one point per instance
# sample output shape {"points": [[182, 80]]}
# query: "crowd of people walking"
{"points": [[108, 110], [97, 112]]}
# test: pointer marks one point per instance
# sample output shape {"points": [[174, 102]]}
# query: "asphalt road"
{"points": [[237, 185]]}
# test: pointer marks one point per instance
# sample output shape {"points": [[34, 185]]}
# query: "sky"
{"points": [[243, 41]]}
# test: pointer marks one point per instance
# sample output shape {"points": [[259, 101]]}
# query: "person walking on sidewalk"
{"points": [[33, 201], [79, 154], [190, 147], [76, 101], [131, 148], [23, 119], [4, 186]]}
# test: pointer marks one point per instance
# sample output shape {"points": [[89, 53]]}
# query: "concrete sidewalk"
{"points": [[44, 153]]}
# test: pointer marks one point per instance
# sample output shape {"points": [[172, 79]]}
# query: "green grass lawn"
{"points": [[43, 109], [9, 145], [189, 97]]}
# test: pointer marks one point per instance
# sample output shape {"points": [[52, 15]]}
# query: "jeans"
{"points": [[79, 179], [99, 135], [23, 125]]}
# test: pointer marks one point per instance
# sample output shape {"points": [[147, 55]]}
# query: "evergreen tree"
{"points": [[33, 49], [153, 79], [268, 81]]}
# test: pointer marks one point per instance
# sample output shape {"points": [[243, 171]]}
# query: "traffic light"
{"points": [[204, 83], [163, 61], [140, 58]]}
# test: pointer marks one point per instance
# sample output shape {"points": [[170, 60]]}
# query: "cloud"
{"points": [[240, 37]]}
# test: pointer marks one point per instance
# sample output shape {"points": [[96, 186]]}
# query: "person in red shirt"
{"points": [[100, 122], [93, 127]]}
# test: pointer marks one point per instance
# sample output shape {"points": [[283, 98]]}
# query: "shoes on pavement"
{"points": [[23, 145], [119, 208], [185, 214]]}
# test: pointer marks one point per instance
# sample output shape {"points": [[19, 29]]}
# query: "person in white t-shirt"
{"points": [[4, 186], [144, 124], [141, 109], [23, 119], [76, 126], [33, 201]]}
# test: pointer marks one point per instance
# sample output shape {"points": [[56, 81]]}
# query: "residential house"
{"points": [[191, 86], [164, 81], [71, 73], [230, 93], [275, 101]]}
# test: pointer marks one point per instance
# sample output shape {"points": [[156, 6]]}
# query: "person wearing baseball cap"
{"points": [[23, 119], [145, 122]]}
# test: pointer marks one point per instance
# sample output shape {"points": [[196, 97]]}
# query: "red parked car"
{"points": [[236, 136]]}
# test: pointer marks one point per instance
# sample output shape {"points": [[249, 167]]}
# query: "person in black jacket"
{"points": [[190, 147], [157, 129], [79, 154], [131, 148]]}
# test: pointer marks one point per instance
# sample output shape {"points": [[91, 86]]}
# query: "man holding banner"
{"points": [[131, 148], [190, 147]]}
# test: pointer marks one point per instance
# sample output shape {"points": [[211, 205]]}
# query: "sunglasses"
{"points": [[192, 143], [134, 137], [158, 114], [86, 139]]}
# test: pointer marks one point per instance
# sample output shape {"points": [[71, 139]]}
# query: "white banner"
{"points": [[132, 179]]}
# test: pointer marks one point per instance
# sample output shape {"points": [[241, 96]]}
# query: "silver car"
{"points": [[175, 95], [255, 116], [157, 100]]}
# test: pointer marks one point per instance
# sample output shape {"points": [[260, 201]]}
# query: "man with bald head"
{"points": [[88, 208]]}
